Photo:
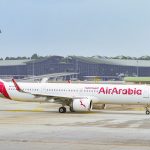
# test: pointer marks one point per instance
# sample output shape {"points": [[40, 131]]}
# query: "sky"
{"points": [[74, 27]]}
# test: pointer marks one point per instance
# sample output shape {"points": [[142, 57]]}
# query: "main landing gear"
{"points": [[62, 109], [147, 111]]}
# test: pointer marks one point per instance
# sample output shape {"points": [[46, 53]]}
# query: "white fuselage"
{"points": [[98, 93]]}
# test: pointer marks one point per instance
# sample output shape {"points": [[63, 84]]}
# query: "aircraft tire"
{"points": [[147, 112], [62, 109]]}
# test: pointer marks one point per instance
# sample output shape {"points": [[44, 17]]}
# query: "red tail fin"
{"points": [[16, 85]]}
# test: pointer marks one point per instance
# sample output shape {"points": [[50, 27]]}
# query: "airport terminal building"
{"points": [[105, 68]]}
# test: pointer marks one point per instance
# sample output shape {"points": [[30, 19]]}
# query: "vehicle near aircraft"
{"points": [[79, 97]]}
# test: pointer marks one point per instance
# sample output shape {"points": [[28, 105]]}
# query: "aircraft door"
{"points": [[146, 92]]}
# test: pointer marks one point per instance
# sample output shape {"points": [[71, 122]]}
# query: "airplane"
{"points": [[79, 97]]}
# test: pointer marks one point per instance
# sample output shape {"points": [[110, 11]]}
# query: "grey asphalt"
{"points": [[39, 126]]}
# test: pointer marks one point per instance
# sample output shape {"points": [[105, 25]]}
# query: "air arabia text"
{"points": [[127, 91]]}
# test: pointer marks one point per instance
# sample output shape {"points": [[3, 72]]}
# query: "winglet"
{"points": [[16, 85]]}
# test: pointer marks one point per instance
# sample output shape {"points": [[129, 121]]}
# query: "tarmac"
{"points": [[40, 126]]}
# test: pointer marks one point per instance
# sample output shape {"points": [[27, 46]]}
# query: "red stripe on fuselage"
{"points": [[4, 91]]}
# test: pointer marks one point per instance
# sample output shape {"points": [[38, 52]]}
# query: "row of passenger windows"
{"points": [[60, 90]]}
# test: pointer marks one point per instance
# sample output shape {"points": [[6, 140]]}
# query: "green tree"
{"points": [[34, 56]]}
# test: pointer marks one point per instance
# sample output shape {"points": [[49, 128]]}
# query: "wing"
{"points": [[49, 98], [56, 99]]}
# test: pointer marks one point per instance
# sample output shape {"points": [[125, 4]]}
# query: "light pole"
{"points": [[137, 69], [33, 69]]}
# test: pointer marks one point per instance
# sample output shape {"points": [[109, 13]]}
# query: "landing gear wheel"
{"points": [[147, 112], [62, 109]]}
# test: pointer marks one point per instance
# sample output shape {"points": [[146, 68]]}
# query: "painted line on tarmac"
{"points": [[25, 110]]}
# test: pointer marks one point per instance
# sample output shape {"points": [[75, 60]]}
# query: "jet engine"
{"points": [[81, 105]]}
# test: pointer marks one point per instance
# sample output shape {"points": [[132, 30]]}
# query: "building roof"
{"points": [[121, 62], [13, 62], [92, 60]]}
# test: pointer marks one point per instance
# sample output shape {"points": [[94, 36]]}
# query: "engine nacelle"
{"points": [[81, 105]]}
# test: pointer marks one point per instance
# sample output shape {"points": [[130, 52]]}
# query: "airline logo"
{"points": [[81, 103], [120, 91]]}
